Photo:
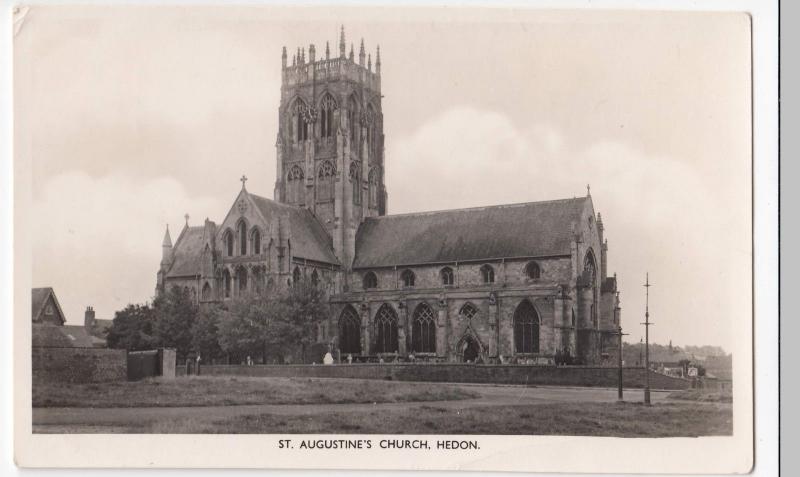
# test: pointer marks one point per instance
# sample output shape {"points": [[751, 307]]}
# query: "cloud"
{"points": [[661, 215], [105, 235]]}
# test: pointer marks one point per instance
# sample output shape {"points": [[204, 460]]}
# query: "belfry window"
{"points": [[487, 273], [327, 107]]}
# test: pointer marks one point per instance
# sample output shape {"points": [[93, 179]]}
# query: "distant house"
{"points": [[97, 329], [48, 320], [46, 310]]}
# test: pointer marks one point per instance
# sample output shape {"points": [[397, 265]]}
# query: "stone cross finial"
{"points": [[588, 190], [187, 219], [243, 179]]}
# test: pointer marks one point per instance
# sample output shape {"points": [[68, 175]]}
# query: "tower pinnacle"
{"points": [[378, 60], [341, 44], [361, 53]]}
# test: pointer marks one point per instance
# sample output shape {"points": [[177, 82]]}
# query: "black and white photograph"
{"points": [[390, 229]]}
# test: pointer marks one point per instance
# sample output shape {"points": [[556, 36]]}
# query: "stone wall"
{"points": [[79, 365], [459, 373]]}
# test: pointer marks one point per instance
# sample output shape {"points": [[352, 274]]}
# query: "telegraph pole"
{"points": [[620, 334], [647, 341]]}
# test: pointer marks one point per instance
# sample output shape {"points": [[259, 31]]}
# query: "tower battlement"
{"points": [[303, 70]]}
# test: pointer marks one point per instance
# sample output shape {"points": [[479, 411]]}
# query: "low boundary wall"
{"points": [[457, 373], [78, 365]]}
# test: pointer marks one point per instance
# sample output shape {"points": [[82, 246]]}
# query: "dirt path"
{"points": [[105, 419]]}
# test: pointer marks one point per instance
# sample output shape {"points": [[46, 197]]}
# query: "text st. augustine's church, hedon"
{"points": [[515, 283]]}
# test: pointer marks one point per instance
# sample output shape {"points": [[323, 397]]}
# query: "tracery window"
{"points": [[296, 275], [370, 281], [325, 176], [424, 330], [255, 238], [228, 239], [349, 331], [301, 120], [226, 279], [407, 277], [533, 271], [526, 328], [386, 330], [487, 273], [206, 293], [241, 278], [314, 278], [242, 231], [448, 278], [468, 311], [327, 108]]}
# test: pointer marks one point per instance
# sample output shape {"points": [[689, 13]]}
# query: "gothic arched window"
{"points": [[526, 328], [533, 271], [370, 280], [349, 331], [205, 295], [300, 119], [294, 185], [255, 239], [374, 182], [258, 279], [355, 180], [487, 273], [447, 275], [353, 122], [407, 277], [315, 278], [423, 331], [371, 120], [226, 282], [228, 239], [241, 278], [327, 107], [296, 275], [386, 330], [325, 176], [468, 311], [241, 230]]}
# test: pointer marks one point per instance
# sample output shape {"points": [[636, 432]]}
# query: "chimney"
{"points": [[88, 318]]}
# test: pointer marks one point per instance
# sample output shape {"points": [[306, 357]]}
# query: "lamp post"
{"points": [[647, 325]]}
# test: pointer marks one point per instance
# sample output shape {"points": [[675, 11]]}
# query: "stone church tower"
{"points": [[330, 140]]}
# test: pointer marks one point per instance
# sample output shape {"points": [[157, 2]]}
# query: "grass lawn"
{"points": [[223, 391], [703, 395], [672, 419]]}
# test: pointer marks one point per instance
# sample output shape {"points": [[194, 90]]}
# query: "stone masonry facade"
{"points": [[518, 283]]}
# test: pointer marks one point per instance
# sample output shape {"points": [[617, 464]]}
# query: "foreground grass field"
{"points": [[228, 391]]}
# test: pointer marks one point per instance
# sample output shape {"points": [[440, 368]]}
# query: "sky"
{"points": [[131, 117]]}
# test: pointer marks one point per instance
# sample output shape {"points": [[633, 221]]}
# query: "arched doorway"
{"points": [[469, 349], [349, 332]]}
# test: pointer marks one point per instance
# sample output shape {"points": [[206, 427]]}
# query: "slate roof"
{"points": [[310, 240], [533, 229], [39, 298], [187, 252], [52, 336]]}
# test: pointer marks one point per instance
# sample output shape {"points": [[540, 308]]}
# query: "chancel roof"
{"points": [[309, 238], [534, 229], [187, 252]]}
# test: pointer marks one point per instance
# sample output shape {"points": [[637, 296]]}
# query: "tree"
{"points": [[176, 313], [205, 333], [301, 307], [246, 324], [133, 328]]}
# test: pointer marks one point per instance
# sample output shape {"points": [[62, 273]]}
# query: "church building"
{"points": [[517, 283]]}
